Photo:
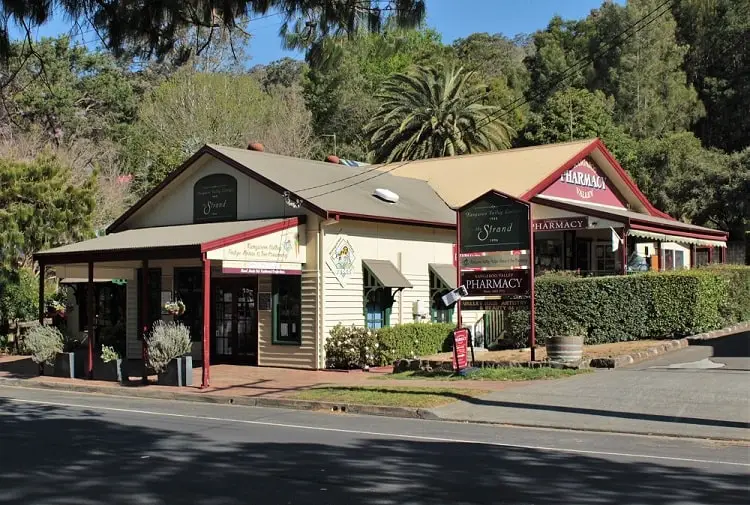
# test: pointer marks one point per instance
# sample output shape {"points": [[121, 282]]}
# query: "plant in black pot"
{"points": [[169, 353], [44, 343], [109, 366]]}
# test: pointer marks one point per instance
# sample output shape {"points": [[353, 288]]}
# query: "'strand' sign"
{"points": [[494, 223]]}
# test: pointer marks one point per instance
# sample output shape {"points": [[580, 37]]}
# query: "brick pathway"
{"points": [[257, 381]]}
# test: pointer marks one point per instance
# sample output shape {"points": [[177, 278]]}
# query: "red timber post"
{"points": [[145, 318], [624, 253], [458, 267], [206, 376], [693, 253], [41, 293], [710, 255], [532, 308], [722, 255], [91, 310]]}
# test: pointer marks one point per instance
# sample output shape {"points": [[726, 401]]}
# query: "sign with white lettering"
{"points": [[494, 304], [496, 282], [561, 223], [260, 267], [215, 199], [585, 182], [460, 350], [495, 261], [494, 222], [282, 246]]}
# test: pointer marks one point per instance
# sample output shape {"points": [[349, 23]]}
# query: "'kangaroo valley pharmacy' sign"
{"points": [[494, 222], [496, 282]]}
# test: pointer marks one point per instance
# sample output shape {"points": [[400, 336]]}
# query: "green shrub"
{"points": [[109, 354], [353, 347], [18, 296], [737, 306], [43, 343], [639, 306], [415, 339], [166, 342]]}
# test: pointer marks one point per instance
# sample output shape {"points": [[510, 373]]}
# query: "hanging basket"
{"points": [[175, 308]]}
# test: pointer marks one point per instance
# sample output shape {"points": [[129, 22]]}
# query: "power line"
{"points": [[523, 101]]}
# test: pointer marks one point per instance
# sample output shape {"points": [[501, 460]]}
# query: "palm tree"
{"points": [[433, 113]]}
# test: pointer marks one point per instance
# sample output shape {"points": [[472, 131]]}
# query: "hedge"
{"points": [[639, 306], [354, 347]]}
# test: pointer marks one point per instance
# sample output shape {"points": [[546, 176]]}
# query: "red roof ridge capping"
{"points": [[580, 156]]}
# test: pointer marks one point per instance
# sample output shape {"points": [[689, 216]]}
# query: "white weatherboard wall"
{"points": [[411, 249], [174, 204]]}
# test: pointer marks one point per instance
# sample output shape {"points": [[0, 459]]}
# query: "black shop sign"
{"points": [[494, 222], [215, 199]]}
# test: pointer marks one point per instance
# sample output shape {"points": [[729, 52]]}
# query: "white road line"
{"points": [[378, 434]]}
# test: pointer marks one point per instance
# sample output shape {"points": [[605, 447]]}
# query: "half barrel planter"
{"points": [[565, 349]]}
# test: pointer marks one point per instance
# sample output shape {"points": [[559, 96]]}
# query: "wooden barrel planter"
{"points": [[566, 349]]}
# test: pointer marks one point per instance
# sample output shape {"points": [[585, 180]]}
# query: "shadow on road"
{"points": [[730, 346], [54, 455]]}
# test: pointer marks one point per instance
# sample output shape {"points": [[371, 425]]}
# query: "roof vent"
{"points": [[386, 195]]}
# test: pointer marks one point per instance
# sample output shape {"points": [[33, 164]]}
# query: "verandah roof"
{"points": [[179, 241]]}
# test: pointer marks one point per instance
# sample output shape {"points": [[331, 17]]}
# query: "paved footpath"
{"points": [[72, 448], [700, 391]]}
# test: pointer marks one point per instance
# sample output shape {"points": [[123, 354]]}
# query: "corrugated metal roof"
{"points": [[387, 274], [349, 190], [166, 236], [461, 179], [446, 273]]}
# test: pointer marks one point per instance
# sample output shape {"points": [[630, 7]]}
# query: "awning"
{"points": [[387, 274], [168, 241], [446, 273], [675, 238]]}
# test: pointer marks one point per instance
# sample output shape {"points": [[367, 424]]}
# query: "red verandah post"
{"points": [[206, 374], [532, 332]]}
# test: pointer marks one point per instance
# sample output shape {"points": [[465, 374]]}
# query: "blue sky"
{"points": [[509, 17]]}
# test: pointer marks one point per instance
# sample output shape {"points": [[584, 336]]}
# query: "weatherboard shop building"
{"points": [[270, 252]]}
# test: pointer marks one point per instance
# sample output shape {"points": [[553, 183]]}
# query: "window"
{"points": [[439, 313], [154, 298], [286, 309], [188, 286], [378, 301]]}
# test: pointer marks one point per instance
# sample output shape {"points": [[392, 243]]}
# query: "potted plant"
{"points": [[109, 366], [44, 343], [175, 308], [169, 353], [567, 346]]}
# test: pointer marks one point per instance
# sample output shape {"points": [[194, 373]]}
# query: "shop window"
{"points": [[605, 259], [439, 313], [286, 309], [188, 287], [378, 301], [154, 297], [548, 254]]}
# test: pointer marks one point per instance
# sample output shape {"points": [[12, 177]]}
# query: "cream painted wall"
{"points": [[409, 248], [174, 205]]}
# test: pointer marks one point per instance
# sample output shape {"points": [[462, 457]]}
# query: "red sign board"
{"points": [[496, 282], [460, 349], [585, 182], [562, 223]]}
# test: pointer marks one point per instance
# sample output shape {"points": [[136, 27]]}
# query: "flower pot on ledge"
{"points": [[179, 372]]}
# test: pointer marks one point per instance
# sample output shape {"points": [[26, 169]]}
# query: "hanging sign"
{"points": [[494, 261], [215, 199], [494, 223], [496, 282], [494, 304], [460, 349]]}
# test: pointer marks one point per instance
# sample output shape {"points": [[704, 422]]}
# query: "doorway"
{"points": [[235, 321]]}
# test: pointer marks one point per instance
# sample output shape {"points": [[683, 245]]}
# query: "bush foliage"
{"points": [[639, 306], [355, 347], [43, 343], [166, 342]]}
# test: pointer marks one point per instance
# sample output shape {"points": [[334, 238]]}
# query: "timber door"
{"points": [[235, 321]]}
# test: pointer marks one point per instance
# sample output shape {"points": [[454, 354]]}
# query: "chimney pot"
{"points": [[255, 146], [333, 159]]}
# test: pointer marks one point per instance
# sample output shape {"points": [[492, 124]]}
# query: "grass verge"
{"points": [[489, 374], [387, 396]]}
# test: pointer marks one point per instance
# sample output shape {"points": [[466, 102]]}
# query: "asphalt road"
{"points": [[71, 448]]}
